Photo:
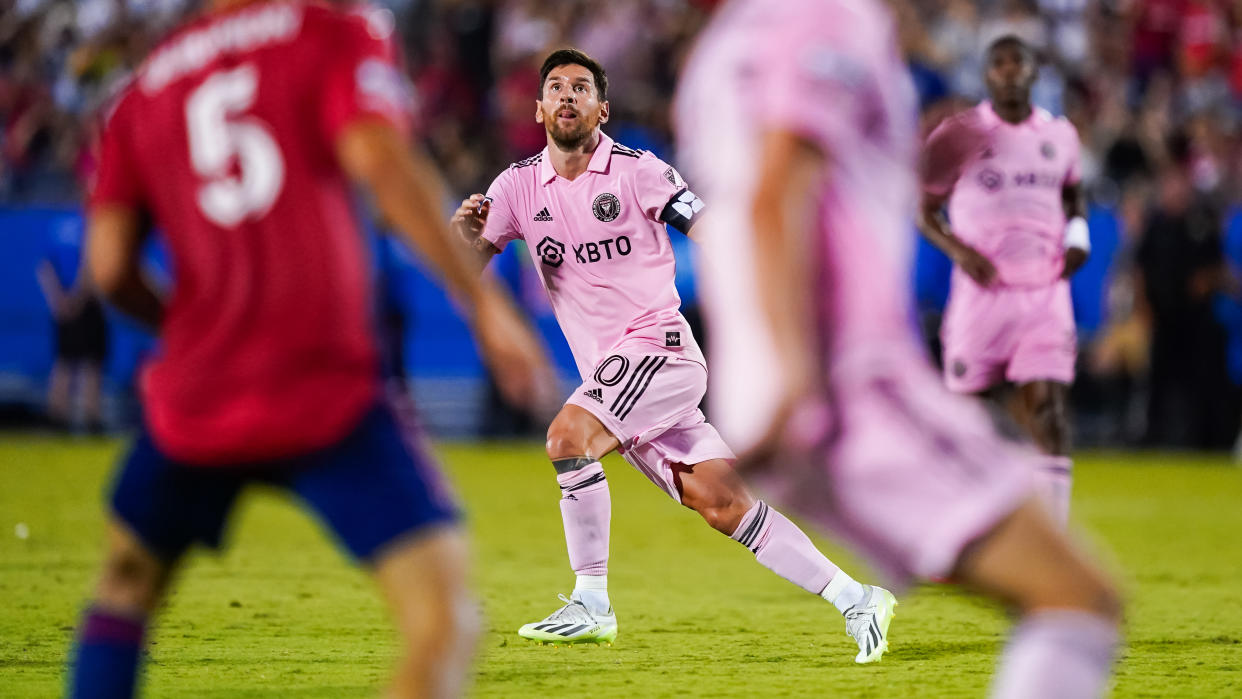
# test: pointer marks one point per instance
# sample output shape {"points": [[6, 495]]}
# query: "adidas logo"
{"points": [[543, 215], [595, 393]]}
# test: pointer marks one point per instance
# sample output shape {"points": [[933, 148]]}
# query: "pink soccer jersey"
{"points": [[835, 77], [1004, 183], [601, 247]]}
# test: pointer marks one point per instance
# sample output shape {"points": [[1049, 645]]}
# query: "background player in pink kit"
{"points": [[820, 378], [593, 216], [1009, 172], [239, 137]]}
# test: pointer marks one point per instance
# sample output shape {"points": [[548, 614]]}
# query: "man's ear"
{"points": [[538, 112], [603, 112]]}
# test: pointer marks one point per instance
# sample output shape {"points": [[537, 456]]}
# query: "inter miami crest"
{"points": [[551, 251], [606, 207]]}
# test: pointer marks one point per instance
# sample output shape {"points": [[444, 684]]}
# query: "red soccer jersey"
{"points": [[226, 138]]}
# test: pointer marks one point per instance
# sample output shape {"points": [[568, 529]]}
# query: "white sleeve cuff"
{"points": [[1077, 235]]}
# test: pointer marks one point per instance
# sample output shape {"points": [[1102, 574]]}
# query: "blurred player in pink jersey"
{"points": [[797, 119], [1010, 175], [593, 214], [239, 137]]}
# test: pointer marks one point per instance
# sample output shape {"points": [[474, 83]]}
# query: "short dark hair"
{"points": [[565, 57], [1010, 40]]}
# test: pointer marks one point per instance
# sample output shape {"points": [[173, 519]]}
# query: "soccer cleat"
{"points": [[867, 623], [572, 623]]}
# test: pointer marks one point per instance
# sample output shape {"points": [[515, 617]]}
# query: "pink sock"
{"points": [[586, 510], [1062, 653], [1056, 475], [782, 547]]}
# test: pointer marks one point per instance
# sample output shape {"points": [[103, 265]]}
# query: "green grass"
{"points": [[282, 613]]}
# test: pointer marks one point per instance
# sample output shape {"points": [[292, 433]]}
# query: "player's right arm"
{"points": [[468, 223], [939, 167]]}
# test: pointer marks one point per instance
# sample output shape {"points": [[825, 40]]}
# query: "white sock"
{"points": [[843, 591], [592, 592]]}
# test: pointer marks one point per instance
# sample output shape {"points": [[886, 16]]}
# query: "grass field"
{"points": [[282, 614]]}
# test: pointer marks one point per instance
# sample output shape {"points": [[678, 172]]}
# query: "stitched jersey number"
{"points": [[220, 135]]}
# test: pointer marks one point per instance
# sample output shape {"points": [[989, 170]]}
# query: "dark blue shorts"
{"points": [[373, 487]]}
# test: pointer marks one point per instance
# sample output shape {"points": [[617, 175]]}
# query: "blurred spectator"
{"points": [[81, 333], [1181, 261]]}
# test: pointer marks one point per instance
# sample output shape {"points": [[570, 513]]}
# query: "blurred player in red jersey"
{"points": [[239, 137]]}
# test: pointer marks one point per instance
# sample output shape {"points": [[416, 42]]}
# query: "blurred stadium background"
{"points": [[1153, 86]]}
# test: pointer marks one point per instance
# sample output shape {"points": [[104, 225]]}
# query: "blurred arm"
{"points": [[1074, 200], [113, 245], [791, 169]]}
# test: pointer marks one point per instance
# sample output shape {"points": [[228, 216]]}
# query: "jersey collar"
{"points": [[991, 118], [599, 160]]}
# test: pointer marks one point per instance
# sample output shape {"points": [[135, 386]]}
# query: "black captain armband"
{"points": [[682, 211]]}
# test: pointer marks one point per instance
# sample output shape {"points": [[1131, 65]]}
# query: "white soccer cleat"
{"points": [[867, 623], [573, 623]]}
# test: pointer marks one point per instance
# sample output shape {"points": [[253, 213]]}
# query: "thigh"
{"points": [[170, 506], [690, 441], [375, 488], [1047, 339]]}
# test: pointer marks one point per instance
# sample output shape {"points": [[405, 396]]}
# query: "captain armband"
{"points": [[682, 211], [1077, 235]]}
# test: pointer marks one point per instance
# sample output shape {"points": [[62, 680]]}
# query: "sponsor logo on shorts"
{"points": [[551, 251], [595, 394], [672, 339], [606, 207]]}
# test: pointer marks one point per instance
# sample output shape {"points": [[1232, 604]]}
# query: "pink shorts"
{"points": [[1007, 334], [650, 403], [907, 473]]}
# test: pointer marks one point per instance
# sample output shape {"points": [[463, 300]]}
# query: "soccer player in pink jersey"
{"points": [[797, 119], [239, 137], [1016, 233], [593, 215]]}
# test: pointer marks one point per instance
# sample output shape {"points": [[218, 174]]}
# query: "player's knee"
{"points": [[1051, 424], [131, 581], [564, 441]]}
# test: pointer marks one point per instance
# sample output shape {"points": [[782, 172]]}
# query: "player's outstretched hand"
{"points": [[974, 264], [512, 352], [470, 217], [1075, 258]]}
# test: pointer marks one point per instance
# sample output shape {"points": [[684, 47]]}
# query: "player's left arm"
{"points": [[1074, 201], [666, 197], [1077, 237], [115, 234]]}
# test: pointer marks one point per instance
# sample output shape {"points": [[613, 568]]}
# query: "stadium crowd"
{"points": [[1153, 86]]}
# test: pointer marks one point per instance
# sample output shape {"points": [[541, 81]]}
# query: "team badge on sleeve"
{"points": [[606, 207], [671, 175]]}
